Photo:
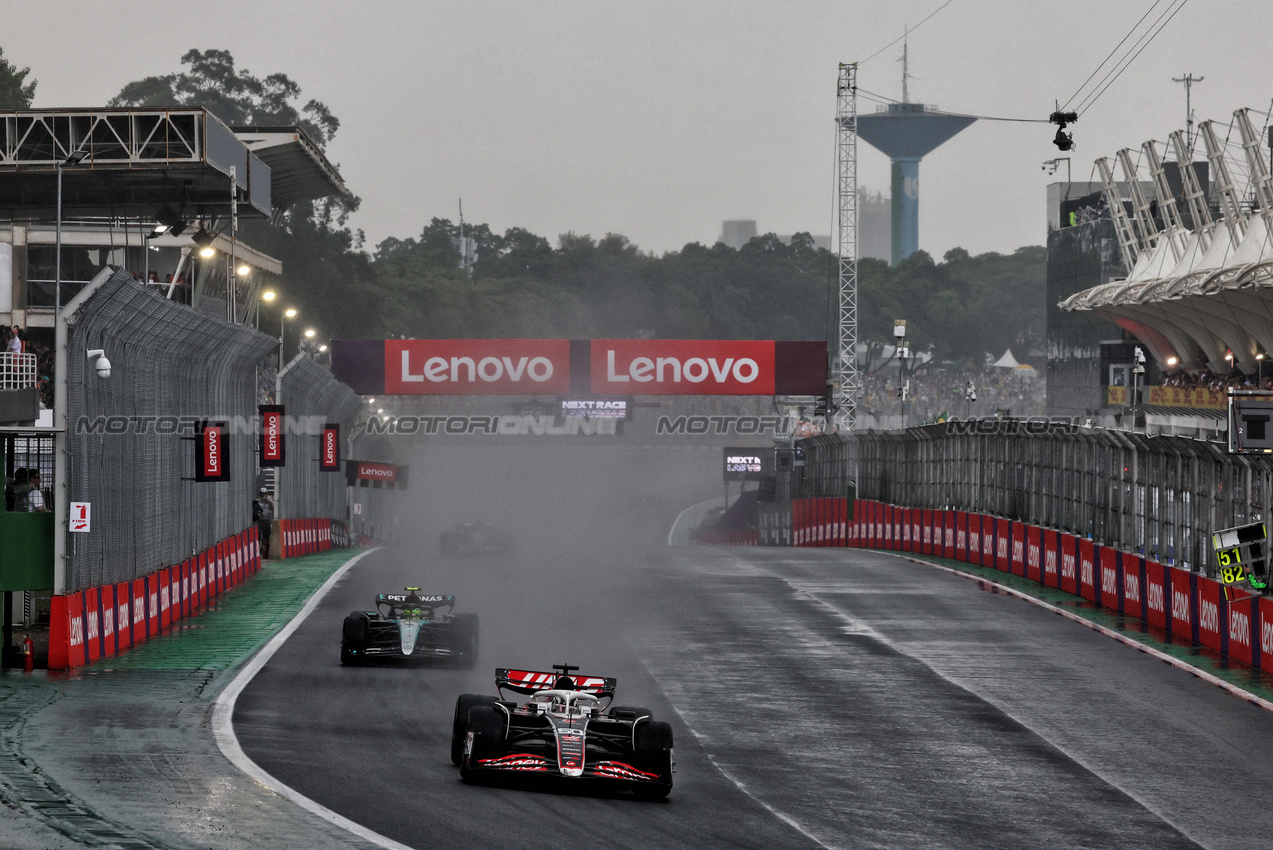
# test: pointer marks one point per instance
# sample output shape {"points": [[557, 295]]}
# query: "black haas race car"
{"points": [[566, 731], [409, 625]]}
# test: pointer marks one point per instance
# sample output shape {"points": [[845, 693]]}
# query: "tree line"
{"points": [[963, 308]]}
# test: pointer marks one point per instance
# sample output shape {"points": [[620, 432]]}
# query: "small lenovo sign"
{"points": [[366, 473], [273, 448], [212, 462], [329, 449]]}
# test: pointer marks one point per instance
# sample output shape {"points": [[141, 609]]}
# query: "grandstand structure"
{"points": [[1196, 239]]}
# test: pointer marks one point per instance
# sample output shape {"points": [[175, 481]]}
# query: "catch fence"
{"points": [[130, 446], [1159, 496], [309, 393]]}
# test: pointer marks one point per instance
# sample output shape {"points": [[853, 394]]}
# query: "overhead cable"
{"points": [[903, 35]]}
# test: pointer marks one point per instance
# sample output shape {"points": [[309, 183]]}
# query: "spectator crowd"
{"points": [[942, 393]]}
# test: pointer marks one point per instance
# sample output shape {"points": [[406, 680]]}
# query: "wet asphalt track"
{"points": [[819, 698]]}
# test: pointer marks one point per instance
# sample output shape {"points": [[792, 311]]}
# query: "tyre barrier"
{"points": [[100, 622], [304, 536], [1229, 620]]}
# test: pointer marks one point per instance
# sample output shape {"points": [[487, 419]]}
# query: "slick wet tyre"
{"points": [[460, 723]]}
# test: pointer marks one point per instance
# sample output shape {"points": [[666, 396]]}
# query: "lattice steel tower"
{"points": [[847, 382]]}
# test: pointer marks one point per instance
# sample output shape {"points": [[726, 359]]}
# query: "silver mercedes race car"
{"points": [[567, 730], [409, 625]]}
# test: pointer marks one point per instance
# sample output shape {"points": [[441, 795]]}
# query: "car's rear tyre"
{"points": [[486, 725], [464, 640], [353, 638], [460, 723]]}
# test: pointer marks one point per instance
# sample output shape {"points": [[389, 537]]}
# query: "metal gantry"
{"points": [[847, 381]]}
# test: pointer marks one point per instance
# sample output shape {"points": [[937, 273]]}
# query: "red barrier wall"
{"points": [[99, 622], [1018, 548], [961, 536], [1157, 595], [1133, 588]]}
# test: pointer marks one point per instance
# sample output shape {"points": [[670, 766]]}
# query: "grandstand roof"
{"points": [[140, 162]]}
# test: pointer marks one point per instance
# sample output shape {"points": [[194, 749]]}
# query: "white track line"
{"points": [[223, 728], [1227, 687]]}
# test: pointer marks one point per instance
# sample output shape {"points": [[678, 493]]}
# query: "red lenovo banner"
{"points": [[1051, 556], [558, 366], [1033, 553], [213, 462], [1107, 564], [475, 366], [1156, 594], [273, 448], [682, 367], [1087, 571], [1210, 609], [1069, 546], [329, 448], [1243, 616]]}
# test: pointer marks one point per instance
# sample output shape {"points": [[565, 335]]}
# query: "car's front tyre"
{"points": [[459, 724]]}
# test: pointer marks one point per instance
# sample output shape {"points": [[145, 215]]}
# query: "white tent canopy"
{"points": [[1007, 361]]}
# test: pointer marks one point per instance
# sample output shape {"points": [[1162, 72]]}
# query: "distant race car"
{"points": [[409, 625], [566, 731], [474, 538]]}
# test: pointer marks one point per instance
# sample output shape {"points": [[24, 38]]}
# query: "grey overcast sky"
{"points": [[658, 119]]}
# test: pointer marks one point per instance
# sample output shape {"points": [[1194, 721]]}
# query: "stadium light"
{"points": [[289, 313], [309, 333], [244, 270]]}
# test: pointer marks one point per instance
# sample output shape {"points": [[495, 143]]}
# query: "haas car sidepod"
{"points": [[409, 625], [567, 730]]}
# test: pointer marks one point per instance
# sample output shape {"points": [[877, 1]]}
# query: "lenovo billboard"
{"points": [[603, 367]]}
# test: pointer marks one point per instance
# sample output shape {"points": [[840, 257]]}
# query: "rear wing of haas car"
{"points": [[530, 681]]}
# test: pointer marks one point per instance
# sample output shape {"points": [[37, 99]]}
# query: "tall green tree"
{"points": [[234, 95], [15, 91]]}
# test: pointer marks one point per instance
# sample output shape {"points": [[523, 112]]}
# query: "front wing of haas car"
{"points": [[562, 734]]}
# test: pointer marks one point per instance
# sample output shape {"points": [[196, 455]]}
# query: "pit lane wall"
{"points": [[1189, 605], [105, 620]]}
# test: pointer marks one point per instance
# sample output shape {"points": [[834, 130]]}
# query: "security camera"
{"points": [[103, 365]]}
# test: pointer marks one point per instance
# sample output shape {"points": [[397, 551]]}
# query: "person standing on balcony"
{"points": [[14, 345]]}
